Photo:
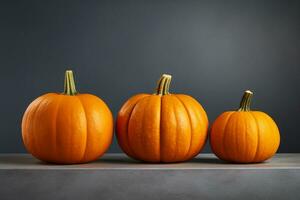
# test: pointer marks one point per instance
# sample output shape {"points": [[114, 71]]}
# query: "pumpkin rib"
{"points": [[130, 121], [239, 130], [270, 127], [55, 125], [225, 153], [240, 137], [167, 130], [191, 128], [245, 149], [127, 127], [35, 142], [258, 137], [87, 130], [263, 148], [230, 134], [201, 121], [202, 116], [183, 129], [275, 129], [96, 125], [122, 125], [248, 155], [236, 130], [72, 127], [143, 121], [176, 135], [44, 101], [155, 102], [30, 114], [54, 102], [160, 129], [147, 143], [57, 130], [142, 139]]}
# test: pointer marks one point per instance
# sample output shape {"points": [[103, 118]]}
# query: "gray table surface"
{"points": [[115, 176], [121, 161]]}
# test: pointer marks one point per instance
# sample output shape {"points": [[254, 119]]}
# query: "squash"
{"points": [[162, 127], [244, 136], [67, 128]]}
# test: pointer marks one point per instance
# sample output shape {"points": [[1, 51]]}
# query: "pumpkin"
{"points": [[244, 136], [162, 127], [67, 128]]}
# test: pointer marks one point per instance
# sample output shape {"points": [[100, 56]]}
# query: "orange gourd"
{"points": [[67, 127], [162, 127], [244, 136]]}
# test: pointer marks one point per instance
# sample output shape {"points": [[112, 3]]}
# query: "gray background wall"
{"points": [[214, 50]]}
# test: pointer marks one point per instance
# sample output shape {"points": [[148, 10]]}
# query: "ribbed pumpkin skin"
{"points": [[244, 137], [67, 129], [162, 128]]}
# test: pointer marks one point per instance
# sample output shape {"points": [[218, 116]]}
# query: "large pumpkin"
{"points": [[67, 128], [162, 127], [244, 136]]}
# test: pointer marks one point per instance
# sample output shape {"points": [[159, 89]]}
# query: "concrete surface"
{"points": [[115, 176]]}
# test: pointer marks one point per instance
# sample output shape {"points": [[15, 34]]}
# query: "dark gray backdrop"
{"points": [[214, 50]]}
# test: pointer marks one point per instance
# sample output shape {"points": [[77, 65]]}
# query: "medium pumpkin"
{"points": [[67, 128], [162, 127], [244, 136]]}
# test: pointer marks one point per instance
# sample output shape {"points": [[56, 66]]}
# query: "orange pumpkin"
{"points": [[244, 136], [67, 128], [162, 127]]}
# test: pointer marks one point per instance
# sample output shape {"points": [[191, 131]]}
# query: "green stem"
{"points": [[163, 85], [246, 101], [70, 88]]}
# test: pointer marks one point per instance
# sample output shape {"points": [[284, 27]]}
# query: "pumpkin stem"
{"points": [[163, 85], [246, 100], [70, 88]]}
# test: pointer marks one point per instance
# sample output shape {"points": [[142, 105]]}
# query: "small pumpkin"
{"points": [[67, 128], [244, 136], [162, 127]]}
